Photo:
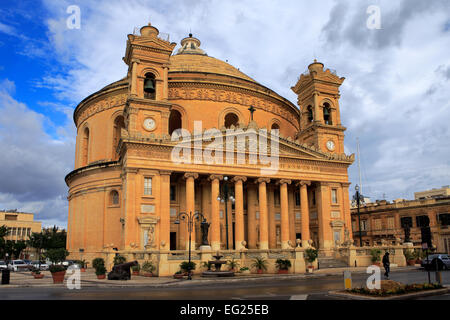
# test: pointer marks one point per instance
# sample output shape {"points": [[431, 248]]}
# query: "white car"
{"points": [[16, 265], [3, 265], [35, 264]]}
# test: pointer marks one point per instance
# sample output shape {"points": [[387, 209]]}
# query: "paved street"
{"points": [[292, 287]]}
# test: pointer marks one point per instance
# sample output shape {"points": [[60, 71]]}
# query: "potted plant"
{"points": [[375, 256], [207, 265], [82, 264], [118, 259], [37, 273], [148, 267], [245, 270], [178, 275], [283, 266], [99, 266], [311, 256], [410, 258], [57, 256], [187, 267], [260, 264], [136, 269], [233, 264]]}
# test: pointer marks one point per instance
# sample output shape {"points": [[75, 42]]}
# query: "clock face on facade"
{"points": [[330, 145], [149, 124]]}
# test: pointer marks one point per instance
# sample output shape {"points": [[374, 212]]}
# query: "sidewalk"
{"points": [[89, 279]]}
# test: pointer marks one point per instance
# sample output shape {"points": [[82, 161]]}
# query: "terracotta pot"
{"points": [[376, 264], [38, 276], [101, 276], [259, 271], [178, 276], [148, 274], [58, 277], [135, 273], [83, 269], [283, 271]]}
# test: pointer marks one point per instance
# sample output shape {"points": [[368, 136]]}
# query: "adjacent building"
{"points": [[385, 221]]}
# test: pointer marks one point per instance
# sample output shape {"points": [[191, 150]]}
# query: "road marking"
{"points": [[299, 297]]}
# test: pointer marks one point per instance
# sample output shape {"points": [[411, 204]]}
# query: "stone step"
{"points": [[331, 263]]}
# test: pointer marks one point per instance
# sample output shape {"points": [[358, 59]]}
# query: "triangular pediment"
{"points": [[154, 43]]}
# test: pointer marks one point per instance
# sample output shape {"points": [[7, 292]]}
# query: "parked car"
{"points": [[442, 261], [18, 265], [27, 261], [35, 264], [3, 265]]}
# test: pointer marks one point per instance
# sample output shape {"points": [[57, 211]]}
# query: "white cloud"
{"points": [[33, 164]]}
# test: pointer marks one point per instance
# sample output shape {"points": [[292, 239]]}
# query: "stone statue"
{"points": [[205, 227]]}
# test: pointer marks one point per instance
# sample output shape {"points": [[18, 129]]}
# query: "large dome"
{"points": [[204, 64]]}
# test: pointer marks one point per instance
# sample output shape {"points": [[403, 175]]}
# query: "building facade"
{"points": [[384, 222], [284, 165]]}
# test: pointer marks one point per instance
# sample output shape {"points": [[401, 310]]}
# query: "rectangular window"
{"points": [[173, 212], [444, 219], [334, 196], [337, 236], [422, 221], [298, 216], [173, 192], [148, 186], [314, 197], [257, 214], [297, 198], [406, 221], [10, 217], [391, 223], [221, 214], [377, 224], [276, 197], [364, 225], [277, 216]]}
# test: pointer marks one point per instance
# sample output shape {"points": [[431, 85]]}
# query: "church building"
{"points": [[146, 154]]}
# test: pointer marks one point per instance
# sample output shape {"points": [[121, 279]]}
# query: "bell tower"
{"points": [[318, 99], [147, 56]]}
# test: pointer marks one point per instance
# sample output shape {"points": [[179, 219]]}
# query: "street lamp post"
{"points": [[223, 197], [190, 220], [358, 199]]}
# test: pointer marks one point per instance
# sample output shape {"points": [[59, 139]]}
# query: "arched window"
{"points": [[119, 123], [310, 114], [174, 121], [275, 126], [150, 86], [327, 113], [85, 148], [231, 119], [114, 197]]}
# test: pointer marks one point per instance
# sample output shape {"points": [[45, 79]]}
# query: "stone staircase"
{"points": [[329, 262]]}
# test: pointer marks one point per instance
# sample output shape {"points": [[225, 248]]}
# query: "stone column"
{"points": [[284, 203], [251, 214], [134, 79], [292, 217], [263, 218], [304, 205], [190, 205], [271, 217], [164, 231], [346, 209], [323, 215], [239, 211], [215, 212]]}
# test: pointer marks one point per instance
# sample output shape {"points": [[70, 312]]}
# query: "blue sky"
{"points": [[395, 97]]}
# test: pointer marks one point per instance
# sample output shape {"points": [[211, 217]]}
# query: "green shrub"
{"points": [[259, 263], [311, 255], [375, 255], [98, 262], [119, 259], [187, 266], [283, 264], [100, 270], [148, 266]]}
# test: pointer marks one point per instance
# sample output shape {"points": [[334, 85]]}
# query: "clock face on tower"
{"points": [[149, 124], [330, 145]]}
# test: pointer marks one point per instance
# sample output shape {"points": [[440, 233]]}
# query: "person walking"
{"points": [[386, 265]]}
